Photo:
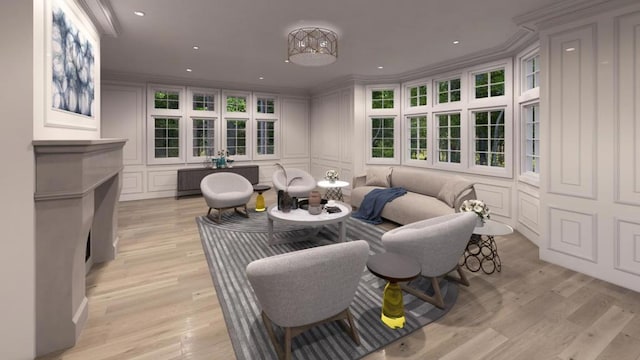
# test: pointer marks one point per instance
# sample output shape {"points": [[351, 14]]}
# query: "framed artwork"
{"points": [[72, 74]]}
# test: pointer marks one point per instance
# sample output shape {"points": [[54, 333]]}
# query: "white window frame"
{"points": [[527, 94], [435, 148], [523, 99], [234, 115], [202, 114], [384, 113], [505, 171], [436, 92], [248, 138], [406, 94], [491, 101], [276, 139], [276, 106], [153, 113], [396, 141], [530, 177], [396, 100], [407, 141]]}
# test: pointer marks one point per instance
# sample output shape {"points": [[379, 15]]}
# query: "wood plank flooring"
{"points": [[157, 301]]}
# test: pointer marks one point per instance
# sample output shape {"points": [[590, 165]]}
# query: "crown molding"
{"points": [[101, 15], [115, 76], [565, 11]]}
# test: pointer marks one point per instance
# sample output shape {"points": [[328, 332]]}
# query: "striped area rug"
{"points": [[232, 245]]}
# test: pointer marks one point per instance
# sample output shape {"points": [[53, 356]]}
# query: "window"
{"points": [[449, 138], [265, 106], [417, 137], [204, 102], [167, 138], [382, 99], [489, 84], [489, 138], [448, 91], [236, 104], [203, 137], [418, 96], [165, 99], [265, 137], [237, 137], [532, 73], [532, 139], [382, 137]]}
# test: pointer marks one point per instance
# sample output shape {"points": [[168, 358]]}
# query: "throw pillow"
{"points": [[379, 176], [452, 189]]}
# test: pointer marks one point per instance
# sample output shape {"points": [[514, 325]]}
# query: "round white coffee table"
{"points": [[482, 251], [302, 217], [334, 189]]}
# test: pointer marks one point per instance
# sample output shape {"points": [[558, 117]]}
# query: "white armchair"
{"points": [[299, 187], [302, 289], [225, 190], [437, 244]]}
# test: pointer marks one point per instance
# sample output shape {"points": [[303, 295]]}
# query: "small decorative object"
{"points": [[222, 158], [479, 208], [315, 203], [230, 162], [331, 175]]}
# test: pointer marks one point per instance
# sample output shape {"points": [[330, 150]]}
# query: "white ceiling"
{"points": [[241, 40]]}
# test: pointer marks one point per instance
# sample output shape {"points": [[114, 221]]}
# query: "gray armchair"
{"points": [[299, 187], [225, 190], [437, 245], [305, 288]]}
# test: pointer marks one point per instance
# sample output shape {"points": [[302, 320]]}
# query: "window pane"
{"points": [[443, 98], [481, 79], [482, 92], [455, 95], [497, 76], [455, 84], [497, 90]]}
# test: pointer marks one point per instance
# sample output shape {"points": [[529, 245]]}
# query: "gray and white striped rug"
{"points": [[232, 245]]}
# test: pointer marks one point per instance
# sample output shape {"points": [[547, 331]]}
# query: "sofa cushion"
{"points": [[420, 181], [452, 189], [379, 176]]}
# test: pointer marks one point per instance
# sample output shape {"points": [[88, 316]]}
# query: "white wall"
{"points": [[17, 268], [124, 116], [590, 194]]}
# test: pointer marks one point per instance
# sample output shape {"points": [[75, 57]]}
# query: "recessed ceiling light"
{"points": [[189, 70], [456, 42], [570, 49], [196, 47], [139, 13], [380, 67], [287, 61], [261, 78]]}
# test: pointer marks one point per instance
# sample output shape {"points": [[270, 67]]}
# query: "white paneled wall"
{"points": [[123, 116], [590, 193]]}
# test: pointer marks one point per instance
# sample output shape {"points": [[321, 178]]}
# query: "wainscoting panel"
{"points": [[346, 127], [572, 106], [122, 116], [628, 108], [529, 211], [132, 182], [498, 198], [628, 246], [162, 180], [295, 128], [573, 233]]}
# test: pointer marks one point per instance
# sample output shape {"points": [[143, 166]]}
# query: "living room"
{"points": [[569, 187]]}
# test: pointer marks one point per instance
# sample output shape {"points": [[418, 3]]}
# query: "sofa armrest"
{"points": [[359, 180], [468, 194]]}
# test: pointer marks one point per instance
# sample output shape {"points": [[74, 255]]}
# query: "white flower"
{"points": [[476, 206]]}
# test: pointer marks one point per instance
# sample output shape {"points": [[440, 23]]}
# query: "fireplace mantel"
{"points": [[77, 189]]}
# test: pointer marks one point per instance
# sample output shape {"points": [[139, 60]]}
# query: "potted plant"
{"points": [[479, 208]]}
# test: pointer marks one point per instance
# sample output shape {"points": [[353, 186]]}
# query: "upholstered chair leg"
{"points": [[209, 213], [219, 216], [463, 277], [353, 330], [268, 325], [287, 343], [436, 299]]}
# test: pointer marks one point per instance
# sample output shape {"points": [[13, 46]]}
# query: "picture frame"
{"points": [[72, 67]]}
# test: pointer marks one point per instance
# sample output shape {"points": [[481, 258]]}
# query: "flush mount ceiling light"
{"points": [[312, 46]]}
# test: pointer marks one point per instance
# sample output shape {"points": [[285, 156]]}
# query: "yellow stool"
{"points": [[260, 205]]}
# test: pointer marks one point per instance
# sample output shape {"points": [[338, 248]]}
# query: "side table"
{"points": [[394, 268], [334, 189], [482, 251], [259, 188]]}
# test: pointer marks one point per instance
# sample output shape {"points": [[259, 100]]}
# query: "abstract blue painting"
{"points": [[73, 61]]}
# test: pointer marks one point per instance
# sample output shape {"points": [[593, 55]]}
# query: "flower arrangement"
{"points": [[331, 175], [223, 153], [478, 207]]}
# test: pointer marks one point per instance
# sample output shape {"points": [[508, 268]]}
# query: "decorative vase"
{"points": [[285, 201], [479, 222]]}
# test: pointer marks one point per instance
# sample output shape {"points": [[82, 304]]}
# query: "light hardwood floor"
{"points": [[156, 301]]}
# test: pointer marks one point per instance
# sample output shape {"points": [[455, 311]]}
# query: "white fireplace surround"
{"points": [[77, 189]]}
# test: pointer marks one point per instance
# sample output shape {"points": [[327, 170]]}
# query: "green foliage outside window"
{"points": [[489, 84], [418, 96], [382, 137], [382, 99], [166, 100], [448, 91], [236, 104]]}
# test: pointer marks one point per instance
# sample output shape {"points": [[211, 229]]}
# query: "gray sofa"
{"points": [[429, 193]]}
